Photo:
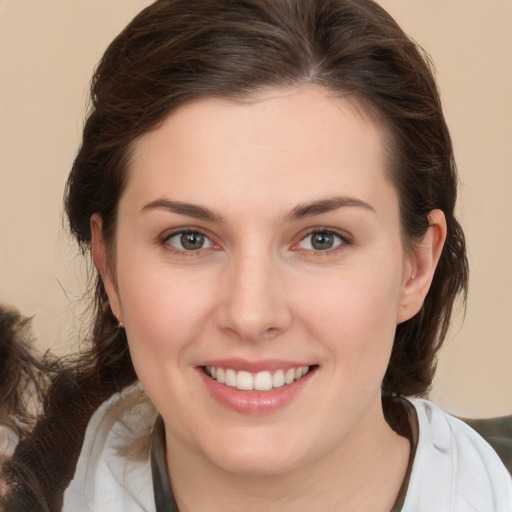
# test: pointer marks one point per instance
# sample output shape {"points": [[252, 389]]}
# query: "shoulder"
{"points": [[455, 469], [498, 433], [113, 471]]}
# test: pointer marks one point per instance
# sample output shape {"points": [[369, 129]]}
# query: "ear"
{"points": [[420, 265], [100, 259]]}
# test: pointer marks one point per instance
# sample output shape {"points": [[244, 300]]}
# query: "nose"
{"points": [[254, 303]]}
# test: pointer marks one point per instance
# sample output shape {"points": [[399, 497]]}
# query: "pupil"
{"points": [[192, 241], [322, 241]]}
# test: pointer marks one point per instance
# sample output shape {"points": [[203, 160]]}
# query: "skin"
{"points": [[258, 291]]}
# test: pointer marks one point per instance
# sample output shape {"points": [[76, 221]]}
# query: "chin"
{"points": [[259, 465], [257, 455]]}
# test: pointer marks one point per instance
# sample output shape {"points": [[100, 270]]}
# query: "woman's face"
{"points": [[254, 241]]}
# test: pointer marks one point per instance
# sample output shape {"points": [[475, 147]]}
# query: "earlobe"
{"points": [[100, 259], [420, 266]]}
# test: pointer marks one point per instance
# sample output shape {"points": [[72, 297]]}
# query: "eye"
{"points": [[321, 240], [189, 241]]}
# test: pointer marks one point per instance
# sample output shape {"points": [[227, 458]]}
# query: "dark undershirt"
{"points": [[399, 413]]}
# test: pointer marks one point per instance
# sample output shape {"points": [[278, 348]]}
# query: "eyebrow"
{"points": [[188, 209], [300, 211], [313, 208]]}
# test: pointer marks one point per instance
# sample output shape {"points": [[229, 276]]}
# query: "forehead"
{"points": [[299, 142]]}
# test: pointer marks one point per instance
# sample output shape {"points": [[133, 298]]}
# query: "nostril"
{"points": [[271, 332]]}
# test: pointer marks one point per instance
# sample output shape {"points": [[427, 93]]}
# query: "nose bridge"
{"points": [[255, 304]]}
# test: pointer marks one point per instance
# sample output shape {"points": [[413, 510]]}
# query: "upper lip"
{"points": [[255, 366]]}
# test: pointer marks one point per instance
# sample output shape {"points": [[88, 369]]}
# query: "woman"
{"points": [[267, 189]]}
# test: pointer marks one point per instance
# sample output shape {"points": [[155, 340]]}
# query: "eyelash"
{"points": [[343, 241], [166, 242]]}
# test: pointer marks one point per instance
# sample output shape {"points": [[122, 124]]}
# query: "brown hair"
{"points": [[177, 50]]}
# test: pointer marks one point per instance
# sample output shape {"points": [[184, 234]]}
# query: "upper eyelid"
{"points": [[344, 235], [345, 241], [164, 238], [178, 231]]}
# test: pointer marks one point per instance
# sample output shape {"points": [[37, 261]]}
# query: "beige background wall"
{"points": [[48, 49]]}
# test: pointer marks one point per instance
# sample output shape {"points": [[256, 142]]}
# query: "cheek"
{"points": [[354, 314], [162, 312], [163, 324]]}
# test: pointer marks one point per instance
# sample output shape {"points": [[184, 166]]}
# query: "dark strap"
{"points": [[402, 418], [164, 499]]}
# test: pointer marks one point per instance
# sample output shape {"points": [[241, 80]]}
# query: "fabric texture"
{"points": [[498, 433], [454, 468], [113, 471]]}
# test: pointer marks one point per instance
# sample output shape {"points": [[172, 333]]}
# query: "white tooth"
{"points": [[278, 379], [263, 381], [305, 369], [221, 377], [298, 373], [213, 371], [231, 378], [244, 381], [290, 376]]}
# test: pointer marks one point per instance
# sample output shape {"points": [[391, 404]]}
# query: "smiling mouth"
{"points": [[260, 381]]}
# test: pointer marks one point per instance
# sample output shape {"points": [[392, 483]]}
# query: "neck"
{"points": [[372, 455]]}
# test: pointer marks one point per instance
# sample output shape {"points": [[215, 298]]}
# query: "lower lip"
{"points": [[255, 402]]}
